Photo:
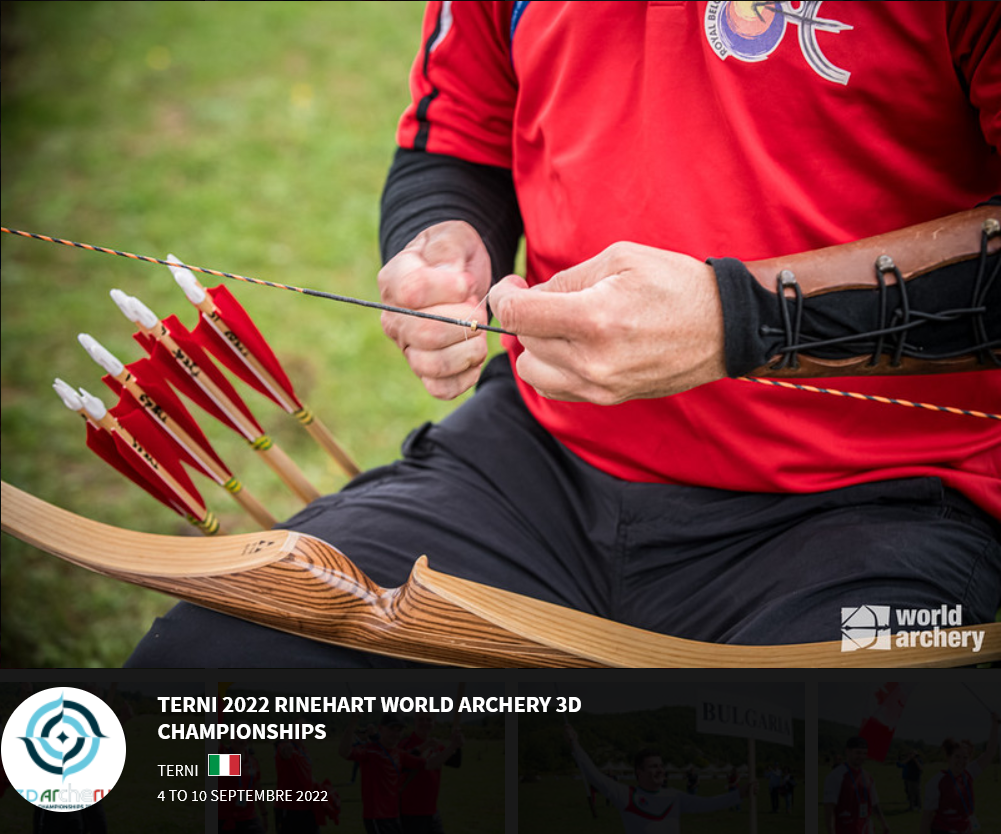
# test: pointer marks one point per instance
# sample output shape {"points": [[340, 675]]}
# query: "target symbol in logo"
{"points": [[62, 737]]}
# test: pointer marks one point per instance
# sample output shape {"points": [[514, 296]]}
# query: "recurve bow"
{"points": [[299, 584]]}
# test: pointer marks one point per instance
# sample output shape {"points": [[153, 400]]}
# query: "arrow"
{"points": [[191, 369], [171, 417], [232, 337], [119, 447]]}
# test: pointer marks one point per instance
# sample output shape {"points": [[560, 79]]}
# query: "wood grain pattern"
{"points": [[302, 585]]}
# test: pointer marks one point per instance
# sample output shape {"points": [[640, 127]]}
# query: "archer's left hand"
{"points": [[632, 322]]}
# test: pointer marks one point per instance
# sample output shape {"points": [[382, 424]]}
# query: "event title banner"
{"points": [[250, 705]]}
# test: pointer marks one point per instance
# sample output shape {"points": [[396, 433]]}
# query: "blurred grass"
{"points": [[246, 137]]}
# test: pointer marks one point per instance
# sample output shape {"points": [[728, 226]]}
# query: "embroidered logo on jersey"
{"points": [[865, 627], [751, 31]]}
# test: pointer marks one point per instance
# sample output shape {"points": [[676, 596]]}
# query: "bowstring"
{"points": [[472, 326]]}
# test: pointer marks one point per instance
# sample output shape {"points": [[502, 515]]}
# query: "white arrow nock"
{"points": [[100, 354], [93, 406], [187, 281], [134, 310], [66, 393], [124, 302]]}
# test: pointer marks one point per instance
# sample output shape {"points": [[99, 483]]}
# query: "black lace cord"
{"points": [[980, 290], [877, 351], [903, 313], [903, 320], [791, 325]]}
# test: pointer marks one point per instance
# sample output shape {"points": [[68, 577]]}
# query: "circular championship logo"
{"points": [[63, 749]]}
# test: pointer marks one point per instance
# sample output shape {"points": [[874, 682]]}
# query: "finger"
{"points": [[449, 362], [571, 356], [426, 334], [445, 249], [550, 381], [587, 273], [451, 387], [417, 287], [531, 312]]}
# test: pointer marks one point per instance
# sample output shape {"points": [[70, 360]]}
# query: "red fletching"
{"points": [[103, 445], [170, 367], [160, 399], [131, 462], [240, 336], [138, 423]]}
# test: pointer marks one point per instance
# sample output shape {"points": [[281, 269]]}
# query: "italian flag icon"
{"points": [[227, 764]]}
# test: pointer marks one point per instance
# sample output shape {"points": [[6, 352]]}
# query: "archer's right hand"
{"points": [[445, 270]]}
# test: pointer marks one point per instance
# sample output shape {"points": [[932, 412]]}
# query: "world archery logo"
{"points": [[865, 627], [751, 31], [58, 734]]}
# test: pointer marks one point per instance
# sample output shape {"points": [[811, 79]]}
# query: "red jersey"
{"points": [[295, 774], [853, 795], [419, 797], [951, 798], [382, 778], [697, 128], [235, 811]]}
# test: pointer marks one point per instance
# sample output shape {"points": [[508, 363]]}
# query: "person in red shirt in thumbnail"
{"points": [[419, 798], [949, 804], [850, 798], [299, 815], [240, 816], [382, 765]]}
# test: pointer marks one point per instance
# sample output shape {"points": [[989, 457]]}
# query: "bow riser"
{"points": [[299, 584]]}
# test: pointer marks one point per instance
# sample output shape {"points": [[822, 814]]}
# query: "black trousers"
{"points": [[489, 495]]}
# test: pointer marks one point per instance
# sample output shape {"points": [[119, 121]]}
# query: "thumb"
{"points": [[507, 300], [530, 311]]}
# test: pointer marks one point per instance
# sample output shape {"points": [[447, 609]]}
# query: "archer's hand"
{"points": [[445, 270], [632, 322]]}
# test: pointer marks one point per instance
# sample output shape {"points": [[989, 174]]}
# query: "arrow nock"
{"points": [[93, 406], [66, 393], [187, 281], [134, 310], [100, 354]]}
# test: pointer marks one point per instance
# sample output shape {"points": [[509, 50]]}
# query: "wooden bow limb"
{"points": [[299, 584]]}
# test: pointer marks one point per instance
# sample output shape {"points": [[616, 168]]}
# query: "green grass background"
{"points": [[246, 137]]}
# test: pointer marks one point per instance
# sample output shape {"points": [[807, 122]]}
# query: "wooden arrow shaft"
{"points": [[207, 464], [279, 462], [317, 430]]}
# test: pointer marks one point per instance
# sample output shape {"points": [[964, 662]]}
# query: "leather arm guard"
{"points": [[926, 299]]}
